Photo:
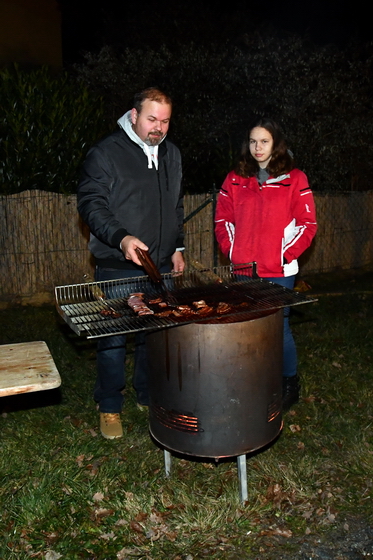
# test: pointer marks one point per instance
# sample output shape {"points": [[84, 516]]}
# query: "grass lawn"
{"points": [[67, 493]]}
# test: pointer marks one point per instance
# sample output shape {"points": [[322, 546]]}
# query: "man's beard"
{"points": [[153, 139]]}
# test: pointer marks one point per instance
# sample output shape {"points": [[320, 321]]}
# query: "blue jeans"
{"points": [[111, 356], [290, 361]]}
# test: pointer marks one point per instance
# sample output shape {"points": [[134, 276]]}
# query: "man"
{"points": [[130, 196]]}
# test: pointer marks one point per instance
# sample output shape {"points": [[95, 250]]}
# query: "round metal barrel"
{"points": [[215, 389]]}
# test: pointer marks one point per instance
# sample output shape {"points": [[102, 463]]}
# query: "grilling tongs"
{"points": [[154, 274]]}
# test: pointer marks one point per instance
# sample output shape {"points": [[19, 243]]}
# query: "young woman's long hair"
{"points": [[280, 162]]}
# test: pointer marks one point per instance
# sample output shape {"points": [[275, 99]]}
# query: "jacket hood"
{"points": [[151, 152]]}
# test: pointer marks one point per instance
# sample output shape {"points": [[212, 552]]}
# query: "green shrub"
{"points": [[321, 95], [47, 124]]}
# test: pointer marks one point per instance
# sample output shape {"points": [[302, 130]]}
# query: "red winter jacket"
{"points": [[271, 224]]}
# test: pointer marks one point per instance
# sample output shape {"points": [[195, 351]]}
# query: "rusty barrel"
{"points": [[215, 389]]}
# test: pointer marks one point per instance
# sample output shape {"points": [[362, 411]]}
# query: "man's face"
{"points": [[151, 124]]}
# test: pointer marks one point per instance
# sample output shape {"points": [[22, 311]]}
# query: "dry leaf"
{"points": [[276, 532], [79, 460], [51, 555], [98, 497], [156, 517], [136, 527], [295, 428], [152, 534], [124, 553], [107, 536], [103, 512]]}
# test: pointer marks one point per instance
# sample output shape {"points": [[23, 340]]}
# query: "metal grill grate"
{"points": [[97, 309]]}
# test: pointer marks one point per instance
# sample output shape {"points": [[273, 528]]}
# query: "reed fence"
{"points": [[43, 242]]}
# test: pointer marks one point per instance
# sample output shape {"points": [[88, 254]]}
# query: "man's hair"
{"points": [[153, 94], [280, 162]]}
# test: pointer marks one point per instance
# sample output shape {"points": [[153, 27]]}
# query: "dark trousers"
{"points": [[111, 356], [290, 360], [111, 374]]}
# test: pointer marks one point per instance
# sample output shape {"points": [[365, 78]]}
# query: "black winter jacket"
{"points": [[118, 195]]}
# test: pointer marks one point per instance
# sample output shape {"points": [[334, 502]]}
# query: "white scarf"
{"points": [[151, 152]]}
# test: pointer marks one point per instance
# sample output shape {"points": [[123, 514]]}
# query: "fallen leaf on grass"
{"points": [[93, 468], [153, 535], [125, 552], [98, 497], [276, 532], [103, 512], [276, 495], [50, 537], [295, 428], [157, 517], [307, 514], [51, 555], [330, 518], [336, 364], [107, 536], [136, 527]]}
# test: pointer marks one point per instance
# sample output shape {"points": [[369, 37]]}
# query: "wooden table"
{"points": [[26, 367]]}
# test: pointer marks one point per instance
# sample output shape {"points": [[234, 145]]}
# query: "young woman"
{"points": [[266, 213]]}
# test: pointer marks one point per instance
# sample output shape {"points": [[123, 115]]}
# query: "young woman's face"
{"points": [[261, 145]]}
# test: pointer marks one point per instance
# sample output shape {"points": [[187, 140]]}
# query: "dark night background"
{"points": [[87, 26], [308, 65]]}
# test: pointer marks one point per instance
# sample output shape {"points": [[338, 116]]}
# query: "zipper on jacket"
{"points": [[160, 213]]}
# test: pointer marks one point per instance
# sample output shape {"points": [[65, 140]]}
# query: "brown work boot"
{"points": [[111, 425]]}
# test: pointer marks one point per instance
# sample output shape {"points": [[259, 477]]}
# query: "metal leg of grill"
{"points": [[242, 474], [242, 477], [167, 462]]}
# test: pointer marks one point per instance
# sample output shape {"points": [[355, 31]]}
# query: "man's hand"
{"points": [[178, 262], [129, 245]]}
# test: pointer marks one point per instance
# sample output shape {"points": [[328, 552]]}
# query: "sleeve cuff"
{"points": [[118, 236]]}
